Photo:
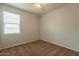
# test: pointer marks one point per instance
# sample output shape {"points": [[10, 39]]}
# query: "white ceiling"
{"points": [[29, 7]]}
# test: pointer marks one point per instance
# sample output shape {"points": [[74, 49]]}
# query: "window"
{"points": [[11, 23]]}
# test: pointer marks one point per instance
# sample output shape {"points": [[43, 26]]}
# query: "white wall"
{"points": [[0, 26], [29, 29], [61, 27]]}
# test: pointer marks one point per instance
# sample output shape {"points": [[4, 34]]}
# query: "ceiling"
{"points": [[39, 11]]}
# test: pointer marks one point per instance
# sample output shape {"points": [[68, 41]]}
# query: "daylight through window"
{"points": [[11, 23]]}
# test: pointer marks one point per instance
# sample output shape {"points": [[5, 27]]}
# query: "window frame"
{"points": [[5, 23]]}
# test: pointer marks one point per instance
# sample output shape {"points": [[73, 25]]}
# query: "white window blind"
{"points": [[11, 23]]}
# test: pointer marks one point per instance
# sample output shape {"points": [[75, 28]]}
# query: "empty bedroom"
{"points": [[39, 29]]}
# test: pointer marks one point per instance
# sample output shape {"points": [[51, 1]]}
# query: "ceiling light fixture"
{"points": [[40, 5]]}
